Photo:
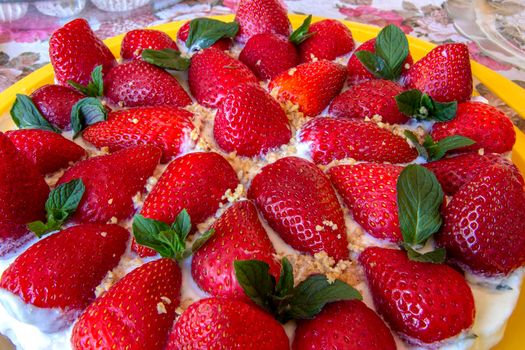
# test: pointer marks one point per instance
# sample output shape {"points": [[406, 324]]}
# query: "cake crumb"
{"points": [[161, 308]]}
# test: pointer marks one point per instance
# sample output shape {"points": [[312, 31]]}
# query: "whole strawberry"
{"points": [[221, 44], [330, 39], [135, 41], [55, 103], [250, 122], [415, 298], [75, 51], [256, 17]]}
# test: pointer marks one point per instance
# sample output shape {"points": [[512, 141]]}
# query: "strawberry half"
{"points": [[330, 39], [135, 41], [299, 203], [55, 103], [256, 17]]}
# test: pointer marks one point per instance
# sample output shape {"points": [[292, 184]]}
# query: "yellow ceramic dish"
{"points": [[505, 89]]}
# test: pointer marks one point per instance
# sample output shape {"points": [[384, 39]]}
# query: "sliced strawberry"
{"points": [[415, 298], [330, 40], [299, 203], [310, 85], [75, 51], [221, 44], [135, 314], [111, 181], [256, 17], [135, 41], [250, 122], [55, 103], [338, 138], [165, 127]]}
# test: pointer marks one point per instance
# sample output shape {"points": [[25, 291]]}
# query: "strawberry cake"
{"points": [[246, 186]]}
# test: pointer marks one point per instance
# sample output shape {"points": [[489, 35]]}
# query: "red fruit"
{"points": [[369, 191], [221, 44], [345, 325], [241, 325], [299, 203], [165, 127], [357, 73], [250, 122], [444, 74], [111, 181], [135, 314], [268, 55], [331, 39], [75, 51], [239, 235], [488, 126], [369, 98], [256, 17], [138, 83], [47, 150], [310, 85], [135, 41], [484, 228], [339, 138], [63, 270], [423, 302], [55, 103], [213, 73], [12, 237]]}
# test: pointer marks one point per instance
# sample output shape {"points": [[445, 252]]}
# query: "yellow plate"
{"points": [[505, 89]]}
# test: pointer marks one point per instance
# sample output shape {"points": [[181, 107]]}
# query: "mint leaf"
{"points": [[85, 112], [199, 242], [285, 284], [27, 116], [166, 58], [182, 224], [435, 256], [418, 105], [449, 143], [374, 64], [204, 32], [301, 34], [419, 147], [256, 281], [95, 87]]}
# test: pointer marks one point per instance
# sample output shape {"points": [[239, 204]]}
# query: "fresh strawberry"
{"points": [[299, 203], [338, 138], [336, 328], [415, 298], [213, 73], [256, 17], [75, 51], [136, 313], [268, 55], [330, 40], [221, 44], [195, 182], [250, 122], [444, 74], [310, 85], [369, 191], [369, 98], [12, 237], [165, 127], [484, 228], [489, 127], [49, 151], [55, 103], [138, 83], [239, 235], [241, 325], [111, 181], [135, 41]]}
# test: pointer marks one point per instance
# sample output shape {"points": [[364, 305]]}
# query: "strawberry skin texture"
{"points": [[339, 138], [165, 127], [241, 325], [63, 270], [488, 126], [55, 103], [444, 74], [221, 44], [310, 85], [344, 325], [12, 237], [135, 41], [250, 122], [331, 39], [213, 73], [369, 191], [369, 98], [111, 181], [484, 230], [297, 201], [256, 17], [423, 302], [47, 150], [268, 55], [138, 83], [239, 235], [75, 51], [129, 315]]}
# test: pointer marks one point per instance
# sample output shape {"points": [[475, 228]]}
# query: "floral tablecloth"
{"points": [[23, 43]]}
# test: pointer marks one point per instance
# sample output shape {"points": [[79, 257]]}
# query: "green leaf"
{"points": [[95, 87], [419, 197], [204, 32], [392, 46], [256, 281], [301, 34], [421, 106], [166, 58], [374, 64], [27, 116], [435, 256], [285, 284], [85, 112], [419, 147], [182, 224], [199, 242], [409, 102], [439, 149]]}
